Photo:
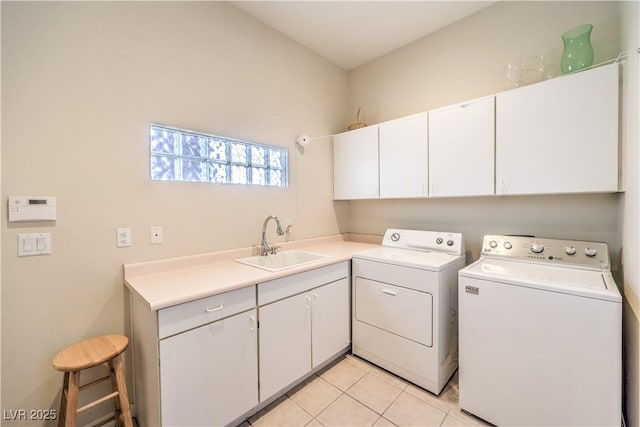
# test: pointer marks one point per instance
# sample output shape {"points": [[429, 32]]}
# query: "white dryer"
{"points": [[541, 334], [405, 305]]}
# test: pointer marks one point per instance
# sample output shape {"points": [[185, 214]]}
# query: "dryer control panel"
{"points": [[427, 241], [575, 253]]}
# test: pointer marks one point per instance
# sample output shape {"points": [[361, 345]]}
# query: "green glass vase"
{"points": [[578, 52]]}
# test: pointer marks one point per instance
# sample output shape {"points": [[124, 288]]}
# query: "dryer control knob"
{"points": [[449, 242], [570, 250], [508, 245], [493, 244], [395, 237], [439, 240], [537, 248], [590, 252]]}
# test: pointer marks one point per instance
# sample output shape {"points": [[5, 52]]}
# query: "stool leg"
{"points": [[63, 400], [114, 387], [73, 388], [123, 396]]}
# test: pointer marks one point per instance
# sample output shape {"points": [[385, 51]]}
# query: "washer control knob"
{"points": [[570, 250], [449, 242], [439, 240], [493, 244], [508, 245], [536, 248], [395, 237], [590, 252]]}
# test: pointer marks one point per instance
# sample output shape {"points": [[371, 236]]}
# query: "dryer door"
{"points": [[400, 311]]}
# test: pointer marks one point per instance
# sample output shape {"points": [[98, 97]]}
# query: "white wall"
{"points": [[81, 81], [630, 127]]}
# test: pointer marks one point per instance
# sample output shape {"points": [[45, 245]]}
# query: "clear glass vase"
{"points": [[578, 52]]}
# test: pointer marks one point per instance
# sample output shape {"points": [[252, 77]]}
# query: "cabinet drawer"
{"points": [[286, 286], [189, 315]]}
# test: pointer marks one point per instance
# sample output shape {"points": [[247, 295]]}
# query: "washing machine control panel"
{"points": [[421, 240], [556, 251]]}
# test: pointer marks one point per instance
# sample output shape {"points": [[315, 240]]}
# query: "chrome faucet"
{"points": [[265, 249]]}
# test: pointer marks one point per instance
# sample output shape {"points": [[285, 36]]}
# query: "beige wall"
{"points": [[630, 127], [81, 81], [466, 60]]}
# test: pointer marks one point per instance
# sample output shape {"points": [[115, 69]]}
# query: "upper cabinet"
{"points": [[559, 136], [403, 158], [461, 149], [355, 164]]}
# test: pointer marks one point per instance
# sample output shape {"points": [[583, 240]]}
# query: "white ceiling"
{"points": [[352, 33]]}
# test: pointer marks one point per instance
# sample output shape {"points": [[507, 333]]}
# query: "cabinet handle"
{"points": [[308, 303], [503, 186], [389, 292], [315, 299], [434, 188], [252, 320], [214, 309]]}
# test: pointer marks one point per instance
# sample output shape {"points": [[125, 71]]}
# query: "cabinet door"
{"points": [[355, 164], [285, 343], [461, 149], [209, 375], [330, 328], [403, 158], [559, 136]]}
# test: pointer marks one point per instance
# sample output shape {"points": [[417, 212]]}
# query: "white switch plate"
{"points": [[123, 237], [34, 244], [155, 235]]}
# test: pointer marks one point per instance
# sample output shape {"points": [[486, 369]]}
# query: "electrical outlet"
{"points": [[123, 237], [155, 235]]}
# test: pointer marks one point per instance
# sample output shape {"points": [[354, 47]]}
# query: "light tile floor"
{"points": [[353, 392]]}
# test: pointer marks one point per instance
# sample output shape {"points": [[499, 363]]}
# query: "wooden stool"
{"points": [[86, 354]]}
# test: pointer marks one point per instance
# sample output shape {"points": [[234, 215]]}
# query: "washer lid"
{"points": [[433, 261], [574, 281]]}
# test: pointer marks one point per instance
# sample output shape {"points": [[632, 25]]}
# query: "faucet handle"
{"points": [[274, 249]]}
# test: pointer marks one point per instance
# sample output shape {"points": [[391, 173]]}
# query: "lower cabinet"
{"points": [[208, 375], [330, 320], [304, 321], [301, 332], [213, 360], [285, 343]]}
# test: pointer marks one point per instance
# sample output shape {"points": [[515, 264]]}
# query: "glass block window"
{"points": [[181, 155]]}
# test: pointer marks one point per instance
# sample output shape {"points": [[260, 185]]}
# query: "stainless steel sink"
{"points": [[283, 260]]}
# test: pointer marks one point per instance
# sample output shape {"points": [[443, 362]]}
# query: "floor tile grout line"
{"points": [[402, 390], [374, 410], [365, 369]]}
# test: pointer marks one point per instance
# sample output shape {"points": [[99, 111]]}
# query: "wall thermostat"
{"points": [[27, 208]]}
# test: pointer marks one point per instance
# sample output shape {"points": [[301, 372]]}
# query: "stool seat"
{"points": [[88, 353], [104, 350]]}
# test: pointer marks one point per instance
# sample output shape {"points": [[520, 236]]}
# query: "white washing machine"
{"points": [[541, 334], [405, 305]]}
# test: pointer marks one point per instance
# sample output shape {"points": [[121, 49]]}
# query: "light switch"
{"points": [[34, 244], [28, 244], [41, 244]]}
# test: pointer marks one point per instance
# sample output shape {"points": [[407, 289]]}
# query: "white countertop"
{"points": [[174, 281]]}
